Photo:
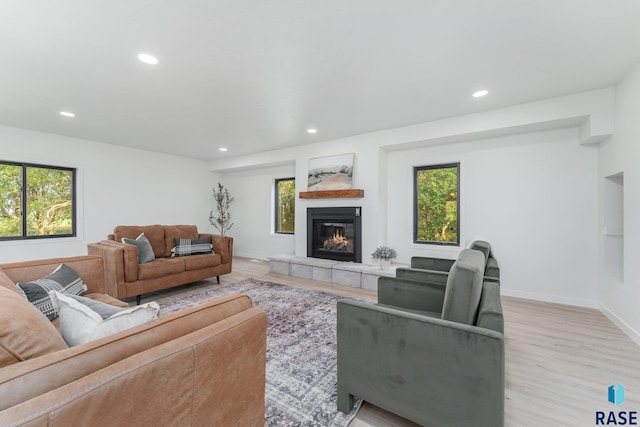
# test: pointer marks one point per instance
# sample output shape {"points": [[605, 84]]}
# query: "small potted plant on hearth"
{"points": [[385, 254]]}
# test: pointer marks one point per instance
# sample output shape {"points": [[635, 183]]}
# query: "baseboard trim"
{"points": [[632, 333], [550, 298]]}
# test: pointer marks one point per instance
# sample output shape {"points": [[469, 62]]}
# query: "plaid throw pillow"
{"points": [[186, 247], [63, 279]]}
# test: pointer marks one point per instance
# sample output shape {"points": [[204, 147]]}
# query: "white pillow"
{"points": [[79, 324]]}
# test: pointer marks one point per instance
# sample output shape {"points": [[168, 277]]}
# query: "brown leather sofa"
{"points": [[201, 366], [126, 278]]}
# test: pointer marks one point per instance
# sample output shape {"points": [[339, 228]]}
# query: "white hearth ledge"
{"points": [[351, 274]]}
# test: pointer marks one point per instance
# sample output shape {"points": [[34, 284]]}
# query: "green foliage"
{"points": [[384, 252], [286, 206], [48, 206], [437, 204], [222, 222], [10, 200]]}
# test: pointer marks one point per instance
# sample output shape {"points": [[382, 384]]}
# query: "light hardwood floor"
{"points": [[560, 360]]}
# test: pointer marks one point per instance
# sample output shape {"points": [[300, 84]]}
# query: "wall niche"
{"points": [[614, 226]]}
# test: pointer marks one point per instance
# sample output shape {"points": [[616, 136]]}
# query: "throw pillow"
{"points": [[145, 251], [24, 332], [62, 279], [185, 247], [79, 324], [103, 309]]}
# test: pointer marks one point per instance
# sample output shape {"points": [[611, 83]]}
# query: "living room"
{"points": [[534, 181]]}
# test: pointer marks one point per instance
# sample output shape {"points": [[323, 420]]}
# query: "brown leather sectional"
{"points": [[201, 366], [125, 278]]}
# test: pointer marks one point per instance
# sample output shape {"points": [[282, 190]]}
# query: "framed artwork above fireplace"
{"points": [[331, 173]]}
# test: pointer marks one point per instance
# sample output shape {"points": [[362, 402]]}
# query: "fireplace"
{"points": [[334, 233]]}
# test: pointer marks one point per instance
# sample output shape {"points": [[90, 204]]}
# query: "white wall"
{"points": [[252, 211], [531, 191], [116, 186], [533, 196], [619, 298]]}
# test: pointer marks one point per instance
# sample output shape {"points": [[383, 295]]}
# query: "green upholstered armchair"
{"points": [[436, 270], [428, 352]]}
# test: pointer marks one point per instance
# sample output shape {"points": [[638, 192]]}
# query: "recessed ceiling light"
{"points": [[222, 149], [67, 114], [480, 93], [312, 130], [148, 59]]}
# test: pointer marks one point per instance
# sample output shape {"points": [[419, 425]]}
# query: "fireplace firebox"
{"points": [[334, 233]]}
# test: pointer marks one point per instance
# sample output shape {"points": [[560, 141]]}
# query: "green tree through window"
{"points": [[42, 207], [437, 202], [285, 205]]}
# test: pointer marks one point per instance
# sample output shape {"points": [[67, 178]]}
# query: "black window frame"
{"points": [[277, 205], [24, 166], [416, 170]]}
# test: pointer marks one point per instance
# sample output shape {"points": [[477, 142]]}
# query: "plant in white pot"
{"points": [[385, 254]]}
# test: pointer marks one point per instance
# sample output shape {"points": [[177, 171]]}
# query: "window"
{"points": [[437, 204], [285, 205], [36, 201]]}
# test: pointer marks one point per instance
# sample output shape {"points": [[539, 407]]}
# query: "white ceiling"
{"points": [[253, 75]]}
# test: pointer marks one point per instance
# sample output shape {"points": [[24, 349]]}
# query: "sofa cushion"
{"points": [[63, 279], [24, 332], [195, 262], [155, 234], [145, 251], [160, 267], [80, 324], [172, 232], [464, 288], [187, 247]]}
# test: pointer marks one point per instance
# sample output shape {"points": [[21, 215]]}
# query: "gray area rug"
{"points": [[301, 350]]}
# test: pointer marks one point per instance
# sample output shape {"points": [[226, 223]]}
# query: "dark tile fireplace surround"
{"points": [[335, 233]]}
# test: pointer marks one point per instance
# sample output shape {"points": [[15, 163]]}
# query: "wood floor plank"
{"points": [[560, 359]]}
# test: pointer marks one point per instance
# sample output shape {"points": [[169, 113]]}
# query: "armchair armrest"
{"points": [[431, 276], [426, 263], [411, 294], [431, 371], [34, 377]]}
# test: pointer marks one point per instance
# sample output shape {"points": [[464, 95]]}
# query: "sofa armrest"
{"points": [[212, 376], [411, 294], [33, 377], [420, 367], [222, 245], [120, 264], [427, 263]]}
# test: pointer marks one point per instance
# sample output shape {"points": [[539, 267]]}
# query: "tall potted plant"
{"points": [[385, 254], [222, 221]]}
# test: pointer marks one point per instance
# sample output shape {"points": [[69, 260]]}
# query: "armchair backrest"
{"points": [[464, 287], [491, 268], [482, 246]]}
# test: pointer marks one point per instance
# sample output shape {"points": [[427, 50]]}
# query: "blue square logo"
{"points": [[616, 394]]}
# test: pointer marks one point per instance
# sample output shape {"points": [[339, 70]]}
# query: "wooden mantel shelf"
{"points": [[332, 194]]}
